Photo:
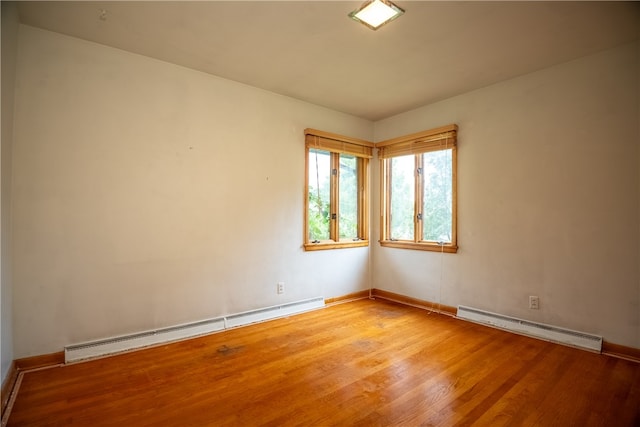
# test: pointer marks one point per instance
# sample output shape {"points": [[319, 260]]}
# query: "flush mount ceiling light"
{"points": [[375, 13]]}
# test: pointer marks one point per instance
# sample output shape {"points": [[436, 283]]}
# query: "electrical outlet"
{"points": [[534, 302], [281, 287]]}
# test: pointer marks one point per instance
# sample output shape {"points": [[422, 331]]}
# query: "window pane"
{"points": [[348, 197], [402, 197], [437, 198], [319, 190]]}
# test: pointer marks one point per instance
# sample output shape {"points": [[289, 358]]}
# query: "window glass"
{"points": [[402, 197], [348, 195], [319, 191], [336, 213], [437, 196], [418, 207]]}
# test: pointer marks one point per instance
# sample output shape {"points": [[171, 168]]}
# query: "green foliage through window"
{"points": [[319, 193], [418, 199], [336, 186], [437, 196], [402, 197], [348, 197]]}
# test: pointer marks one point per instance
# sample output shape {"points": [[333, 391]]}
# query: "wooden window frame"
{"points": [[336, 145], [417, 144]]}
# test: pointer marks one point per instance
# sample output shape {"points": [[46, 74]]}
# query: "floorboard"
{"points": [[366, 362]]}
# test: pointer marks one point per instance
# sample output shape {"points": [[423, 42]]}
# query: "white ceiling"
{"points": [[311, 50]]}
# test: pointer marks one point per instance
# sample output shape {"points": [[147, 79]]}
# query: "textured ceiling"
{"points": [[311, 50]]}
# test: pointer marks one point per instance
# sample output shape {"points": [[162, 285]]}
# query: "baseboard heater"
{"points": [[109, 346], [534, 329]]}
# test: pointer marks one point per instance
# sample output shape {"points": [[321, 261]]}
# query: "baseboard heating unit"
{"points": [[534, 329], [93, 349]]}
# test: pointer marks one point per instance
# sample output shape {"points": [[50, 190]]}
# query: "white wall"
{"points": [[147, 194], [9, 45], [137, 203], [548, 199]]}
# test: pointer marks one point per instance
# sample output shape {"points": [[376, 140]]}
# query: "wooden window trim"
{"points": [[414, 144], [339, 144]]}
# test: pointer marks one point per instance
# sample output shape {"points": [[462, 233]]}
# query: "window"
{"points": [[336, 191], [418, 194]]}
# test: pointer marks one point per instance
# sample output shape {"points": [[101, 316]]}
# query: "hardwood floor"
{"points": [[362, 363]]}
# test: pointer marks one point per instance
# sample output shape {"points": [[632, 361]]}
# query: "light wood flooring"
{"points": [[361, 363]]}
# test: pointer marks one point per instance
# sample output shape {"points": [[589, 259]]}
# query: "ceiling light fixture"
{"points": [[375, 13]]}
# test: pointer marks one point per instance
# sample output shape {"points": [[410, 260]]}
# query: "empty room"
{"points": [[320, 213]]}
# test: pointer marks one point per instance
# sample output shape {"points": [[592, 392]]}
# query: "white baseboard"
{"points": [[93, 349], [534, 329]]}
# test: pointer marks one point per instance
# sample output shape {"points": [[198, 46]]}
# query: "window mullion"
{"points": [[363, 202], [335, 197], [419, 183], [387, 198]]}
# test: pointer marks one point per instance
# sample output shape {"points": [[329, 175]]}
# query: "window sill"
{"points": [[433, 247], [335, 245]]}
